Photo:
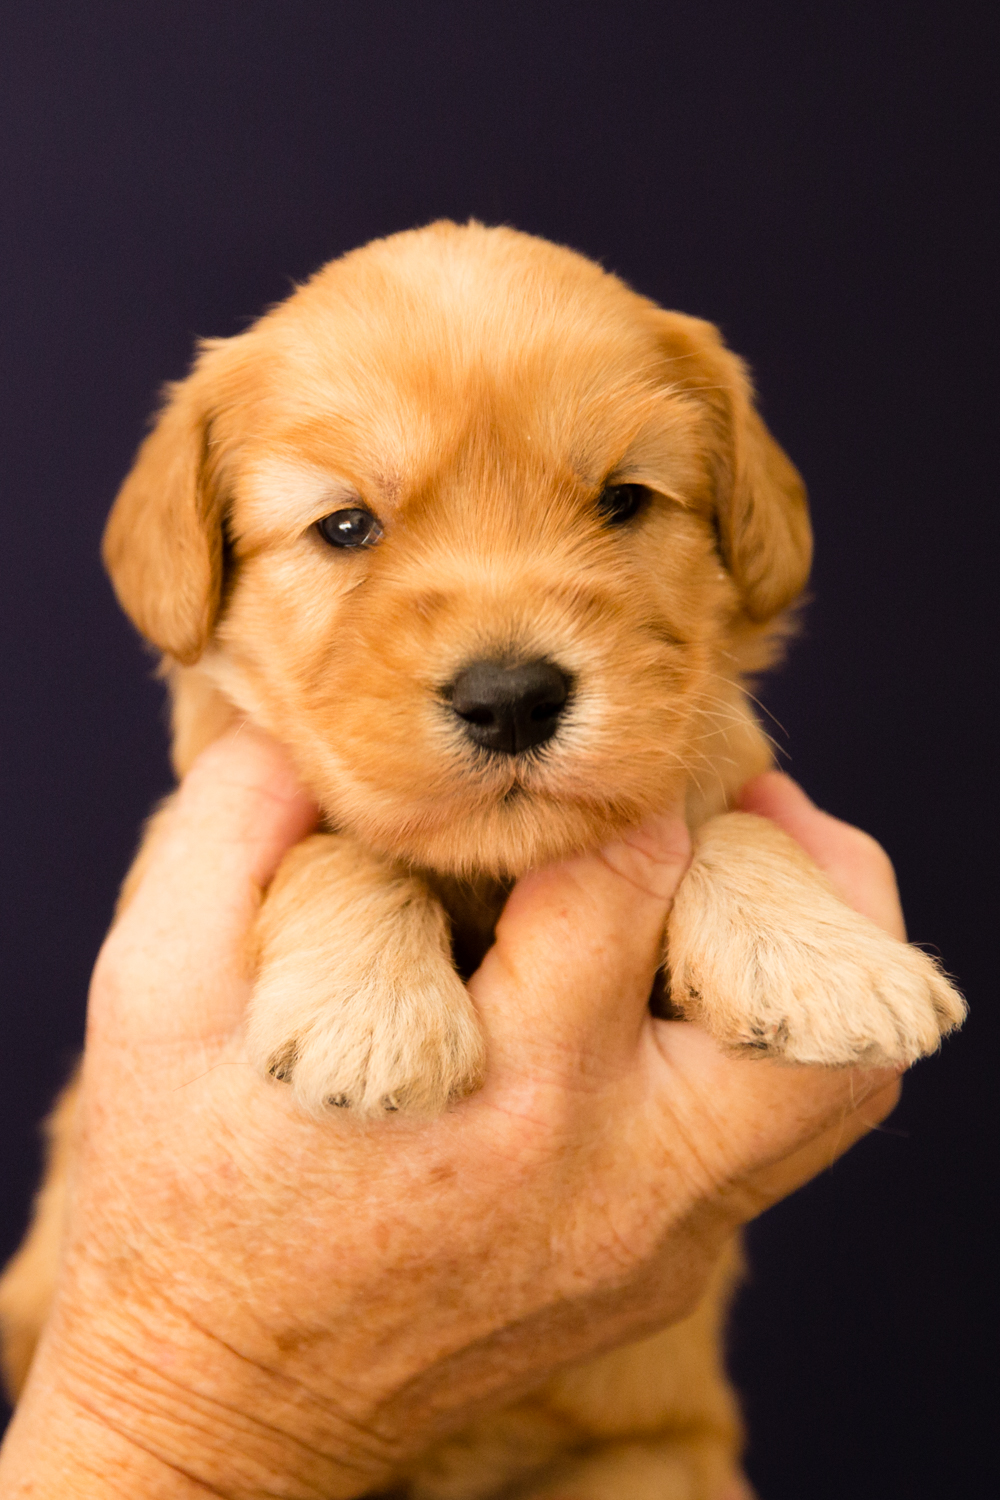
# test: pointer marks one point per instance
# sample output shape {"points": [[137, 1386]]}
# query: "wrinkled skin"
{"points": [[253, 1303]]}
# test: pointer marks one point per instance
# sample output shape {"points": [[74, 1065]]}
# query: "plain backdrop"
{"points": [[814, 178]]}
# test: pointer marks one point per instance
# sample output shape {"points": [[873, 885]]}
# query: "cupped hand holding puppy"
{"points": [[255, 1303]]}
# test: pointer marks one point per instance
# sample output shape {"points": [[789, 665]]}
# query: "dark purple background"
{"points": [[814, 178]]}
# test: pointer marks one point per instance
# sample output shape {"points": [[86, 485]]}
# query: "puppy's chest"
{"points": [[474, 905]]}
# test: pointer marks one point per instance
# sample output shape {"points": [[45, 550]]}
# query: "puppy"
{"points": [[491, 543]]}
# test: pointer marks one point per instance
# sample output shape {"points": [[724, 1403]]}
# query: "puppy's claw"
{"points": [[282, 1065], [769, 1038]]}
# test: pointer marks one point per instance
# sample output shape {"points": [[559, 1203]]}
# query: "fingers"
{"points": [[758, 1126], [567, 982], [773, 1183], [173, 963], [858, 866]]}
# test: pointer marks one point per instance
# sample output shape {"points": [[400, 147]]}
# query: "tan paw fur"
{"points": [[356, 1003], [764, 953]]}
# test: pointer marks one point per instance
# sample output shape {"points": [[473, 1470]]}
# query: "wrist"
{"points": [[55, 1446], [175, 1421]]}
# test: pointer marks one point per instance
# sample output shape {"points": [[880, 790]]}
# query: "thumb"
{"points": [[174, 964], [566, 984]]}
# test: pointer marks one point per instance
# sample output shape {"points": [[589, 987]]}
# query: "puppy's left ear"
{"points": [[760, 501], [163, 541]]}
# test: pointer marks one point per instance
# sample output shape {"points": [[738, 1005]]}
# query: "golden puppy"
{"points": [[489, 542]]}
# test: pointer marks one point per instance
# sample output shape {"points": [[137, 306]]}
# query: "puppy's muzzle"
{"points": [[509, 709]]}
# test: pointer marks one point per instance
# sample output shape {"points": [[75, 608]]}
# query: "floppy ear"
{"points": [[761, 511], [163, 541]]}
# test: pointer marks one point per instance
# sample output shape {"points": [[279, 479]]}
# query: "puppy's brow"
{"points": [[388, 485], [278, 493]]}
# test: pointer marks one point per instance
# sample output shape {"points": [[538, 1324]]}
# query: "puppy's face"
{"points": [[492, 523]]}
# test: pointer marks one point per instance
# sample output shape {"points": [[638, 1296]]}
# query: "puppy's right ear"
{"points": [[163, 541]]}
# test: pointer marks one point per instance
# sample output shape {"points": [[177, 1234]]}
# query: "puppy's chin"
{"points": [[501, 837]]}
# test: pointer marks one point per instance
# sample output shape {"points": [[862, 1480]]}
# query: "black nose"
{"points": [[509, 709]]}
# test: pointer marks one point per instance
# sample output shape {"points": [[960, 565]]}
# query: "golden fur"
{"points": [[477, 389]]}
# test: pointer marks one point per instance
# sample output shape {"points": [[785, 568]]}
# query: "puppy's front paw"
{"points": [[367, 1037], [357, 1005], [763, 951]]}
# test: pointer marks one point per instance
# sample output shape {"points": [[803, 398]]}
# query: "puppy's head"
{"points": [[472, 528]]}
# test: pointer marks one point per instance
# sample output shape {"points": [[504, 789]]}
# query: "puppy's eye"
{"points": [[620, 502], [351, 528]]}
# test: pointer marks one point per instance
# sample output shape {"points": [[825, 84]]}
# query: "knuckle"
{"points": [[652, 858]]}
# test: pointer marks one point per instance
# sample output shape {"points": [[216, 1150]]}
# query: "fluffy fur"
{"points": [[477, 389]]}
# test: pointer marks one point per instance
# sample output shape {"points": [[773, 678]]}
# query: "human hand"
{"points": [[252, 1302]]}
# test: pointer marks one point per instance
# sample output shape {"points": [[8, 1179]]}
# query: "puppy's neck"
{"points": [[474, 904]]}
